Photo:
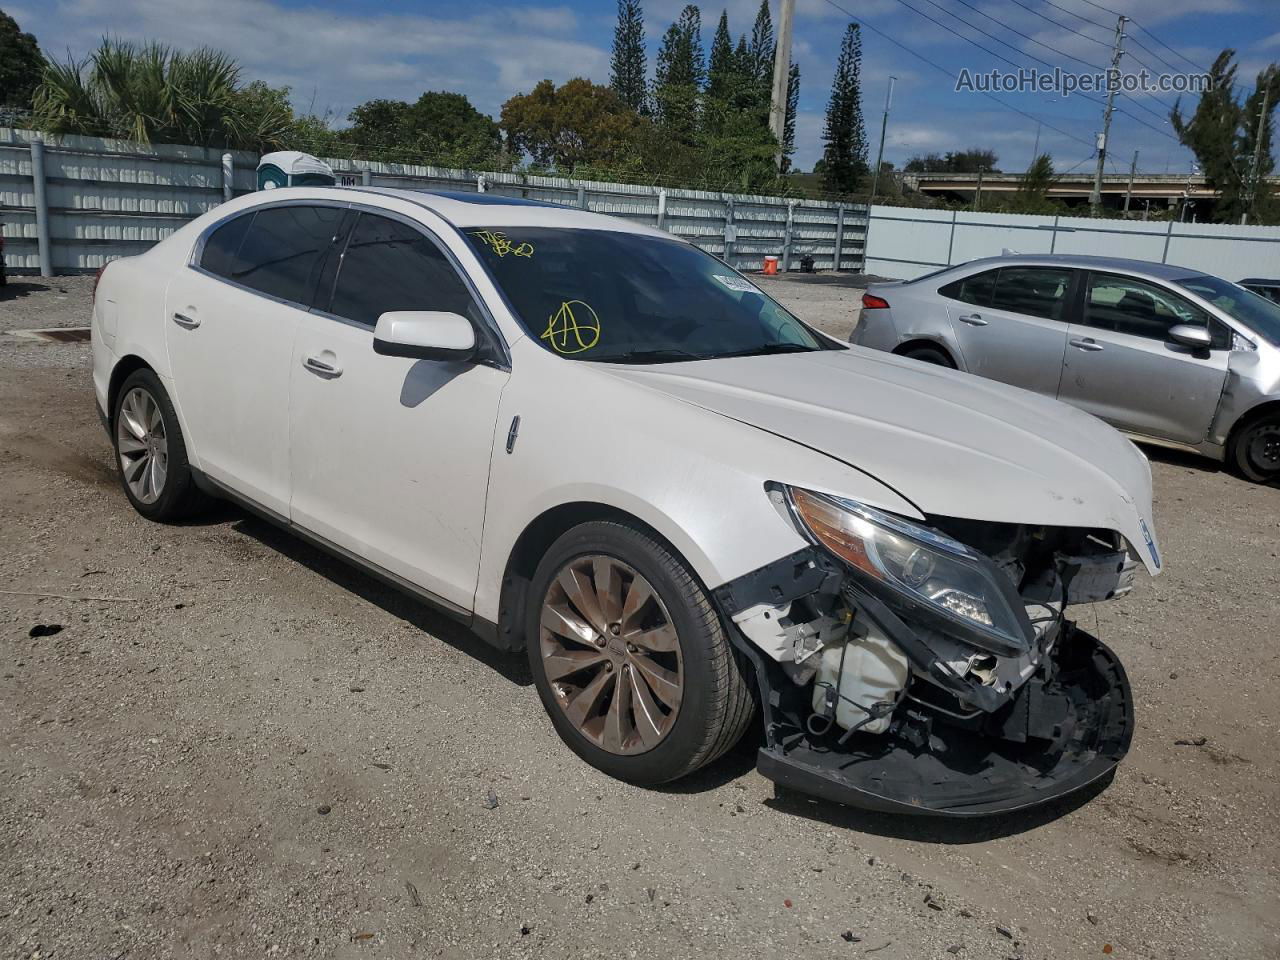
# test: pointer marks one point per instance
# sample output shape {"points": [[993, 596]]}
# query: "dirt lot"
{"points": [[236, 747]]}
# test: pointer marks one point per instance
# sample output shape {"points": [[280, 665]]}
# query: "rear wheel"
{"points": [[927, 354], [1255, 450], [151, 453], [630, 658]]}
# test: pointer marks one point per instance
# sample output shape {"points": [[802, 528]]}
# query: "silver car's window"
{"points": [[1140, 309], [388, 265], [976, 289], [1256, 312], [1033, 291]]}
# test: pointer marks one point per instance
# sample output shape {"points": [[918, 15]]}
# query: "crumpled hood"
{"points": [[953, 444]]}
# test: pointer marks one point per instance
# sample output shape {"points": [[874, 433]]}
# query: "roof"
{"points": [[1165, 271], [464, 209]]}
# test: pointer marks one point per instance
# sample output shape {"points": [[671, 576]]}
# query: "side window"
{"points": [[976, 289], [223, 246], [280, 250], [388, 265], [1142, 309], [1034, 291]]}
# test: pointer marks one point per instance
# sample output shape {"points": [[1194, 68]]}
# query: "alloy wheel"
{"points": [[143, 445], [611, 655]]}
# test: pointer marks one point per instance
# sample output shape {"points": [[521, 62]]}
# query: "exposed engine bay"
{"points": [[892, 681]]}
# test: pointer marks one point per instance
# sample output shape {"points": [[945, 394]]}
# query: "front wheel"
{"points": [[630, 658], [934, 355], [1255, 451]]}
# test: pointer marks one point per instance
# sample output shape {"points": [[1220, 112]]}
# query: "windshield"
{"points": [[629, 298], [1257, 313]]}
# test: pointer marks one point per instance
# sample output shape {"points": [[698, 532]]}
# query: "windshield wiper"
{"points": [[764, 349], [665, 355]]}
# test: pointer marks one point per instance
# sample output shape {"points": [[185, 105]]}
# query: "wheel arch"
{"points": [[917, 342], [125, 366], [1249, 418], [538, 536]]}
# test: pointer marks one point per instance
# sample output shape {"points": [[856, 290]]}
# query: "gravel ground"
{"points": [[236, 746]]}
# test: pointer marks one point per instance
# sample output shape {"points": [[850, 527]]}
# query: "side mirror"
{"points": [[424, 335], [1191, 335]]}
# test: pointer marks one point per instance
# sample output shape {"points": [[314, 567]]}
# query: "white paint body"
{"points": [[404, 462]]}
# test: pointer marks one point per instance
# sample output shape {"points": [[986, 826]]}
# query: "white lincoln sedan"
{"points": [[596, 443]]}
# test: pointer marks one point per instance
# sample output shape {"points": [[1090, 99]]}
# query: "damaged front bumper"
{"points": [[951, 747]]}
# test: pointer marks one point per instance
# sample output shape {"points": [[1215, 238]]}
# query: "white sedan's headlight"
{"points": [[920, 568]]}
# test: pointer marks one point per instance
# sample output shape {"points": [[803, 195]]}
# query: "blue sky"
{"points": [[337, 53]]}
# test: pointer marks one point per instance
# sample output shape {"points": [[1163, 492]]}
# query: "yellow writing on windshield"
{"points": [[501, 244], [574, 328]]}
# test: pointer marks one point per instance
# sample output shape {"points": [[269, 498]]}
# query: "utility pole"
{"points": [[1113, 79], [977, 194], [1254, 172], [884, 125], [781, 74], [1035, 151], [1133, 170]]}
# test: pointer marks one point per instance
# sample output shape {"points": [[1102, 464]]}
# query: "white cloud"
{"points": [[347, 58]]}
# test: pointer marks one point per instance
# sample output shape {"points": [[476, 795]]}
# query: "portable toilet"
{"points": [[289, 168]]}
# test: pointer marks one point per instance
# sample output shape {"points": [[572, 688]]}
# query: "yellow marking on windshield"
{"points": [[572, 331], [501, 244]]}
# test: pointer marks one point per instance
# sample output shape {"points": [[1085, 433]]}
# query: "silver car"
{"points": [[1166, 354]]}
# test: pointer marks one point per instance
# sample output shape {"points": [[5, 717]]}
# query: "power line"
{"points": [[1026, 36], [1063, 26], [1019, 66], [943, 70], [1103, 26]]}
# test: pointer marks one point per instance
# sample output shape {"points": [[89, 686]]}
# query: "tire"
{"points": [[715, 704], [934, 355], [1255, 449], [145, 425]]}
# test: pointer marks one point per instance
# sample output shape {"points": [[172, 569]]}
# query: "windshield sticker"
{"points": [[574, 328], [501, 244], [737, 284]]}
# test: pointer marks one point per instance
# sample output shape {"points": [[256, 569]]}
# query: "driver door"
{"points": [[389, 455], [1121, 366]]}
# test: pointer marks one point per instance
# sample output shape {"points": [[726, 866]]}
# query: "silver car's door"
{"points": [[1122, 366], [1011, 324]]}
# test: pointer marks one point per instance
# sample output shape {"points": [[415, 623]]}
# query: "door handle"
{"points": [[974, 320], [182, 320], [1087, 344], [322, 368]]}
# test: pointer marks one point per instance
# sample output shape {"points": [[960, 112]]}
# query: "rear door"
{"points": [[1011, 324], [389, 455], [1121, 365], [230, 324]]}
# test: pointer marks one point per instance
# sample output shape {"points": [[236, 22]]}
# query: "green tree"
{"points": [[153, 94], [627, 69], [1223, 134], [1032, 195], [960, 161], [721, 68], [440, 127], [844, 133], [680, 75], [761, 49], [21, 64], [579, 124]]}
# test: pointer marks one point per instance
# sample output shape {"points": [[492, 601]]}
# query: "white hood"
{"points": [[953, 444]]}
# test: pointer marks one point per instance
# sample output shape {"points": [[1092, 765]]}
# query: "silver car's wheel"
{"points": [[611, 655], [143, 445]]}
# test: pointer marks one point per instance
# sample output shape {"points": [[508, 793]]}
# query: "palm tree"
{"points": [[153, 94]]}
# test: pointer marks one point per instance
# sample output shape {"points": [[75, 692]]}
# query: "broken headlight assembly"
{"points": [[923, 573]]}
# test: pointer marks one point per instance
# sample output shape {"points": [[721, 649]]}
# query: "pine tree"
{"points": [[720, 66], [680, 75], [627, 75], [845, 153], [789, 124], [762, 47]]}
